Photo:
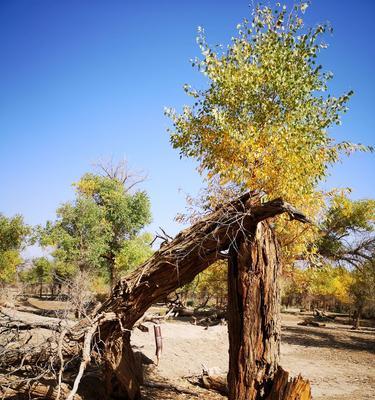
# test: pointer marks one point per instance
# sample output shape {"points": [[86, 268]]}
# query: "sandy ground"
{"points": [[338, 361]]}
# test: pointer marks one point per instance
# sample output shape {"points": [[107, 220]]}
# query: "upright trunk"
{"points": [[253, 314], [112, 271], [357, 316], [124, 370]]}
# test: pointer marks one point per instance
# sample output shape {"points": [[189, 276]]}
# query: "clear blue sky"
{"points": [[82, 80]]}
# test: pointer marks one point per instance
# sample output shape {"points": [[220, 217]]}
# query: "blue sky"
{"points": [[84, 80]]}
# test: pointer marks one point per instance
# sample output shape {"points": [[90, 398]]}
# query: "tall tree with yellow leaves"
{"points": [[262, 125]]}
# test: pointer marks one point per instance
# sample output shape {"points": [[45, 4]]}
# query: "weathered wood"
{"points": [[322, 315], [285, 389], [178, 262], [218, 383], [253, 313], [124, 371], [42, 389], [311, 322], [168, 386], [12, 318]]}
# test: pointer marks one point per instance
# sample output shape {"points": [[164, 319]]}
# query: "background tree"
{"points": [[40, 273], [321, 287], [347, 232], [125, 213], [362, 290], [101, 224], [210, 286], [80, 235], [347, 239], [133, 253], [13, 233]]}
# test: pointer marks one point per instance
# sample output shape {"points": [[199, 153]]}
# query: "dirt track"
{"points": [[338, 361]]}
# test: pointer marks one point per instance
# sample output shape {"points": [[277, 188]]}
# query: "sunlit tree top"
{"points": [[263, 121]]}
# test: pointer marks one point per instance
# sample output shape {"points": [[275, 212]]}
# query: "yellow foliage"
{"points": [[262, 123]]}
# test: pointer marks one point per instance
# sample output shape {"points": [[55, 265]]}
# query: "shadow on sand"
{"points": [[328, 337]]}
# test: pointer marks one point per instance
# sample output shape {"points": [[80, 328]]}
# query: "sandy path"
{"points": [[338, 362]]}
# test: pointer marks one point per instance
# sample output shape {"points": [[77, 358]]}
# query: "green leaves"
{"points": [[100, 225], [80, 234], [347, 232], [13, 233], [133, 253], [263, 121], [9, 260]]}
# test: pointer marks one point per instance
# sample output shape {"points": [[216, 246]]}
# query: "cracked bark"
{"points": [[253, 314]]}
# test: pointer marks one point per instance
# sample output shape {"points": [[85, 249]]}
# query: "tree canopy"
{"points": [[347, 232], [263, 120], [101, 224], [13, 233]]}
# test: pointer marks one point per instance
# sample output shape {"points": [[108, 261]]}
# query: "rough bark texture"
{"points": [[124, 375], [253, 314], [192, 251]]}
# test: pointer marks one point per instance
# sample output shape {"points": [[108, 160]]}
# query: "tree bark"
{"points": [[189, 253], [253, 314], [124, 374]]}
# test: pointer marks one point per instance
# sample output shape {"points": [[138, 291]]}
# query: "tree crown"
{"points": [[263, 121]]}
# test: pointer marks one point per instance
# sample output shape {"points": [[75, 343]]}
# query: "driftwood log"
{"points": [[41, 389], [311, 322], [236, 231]]}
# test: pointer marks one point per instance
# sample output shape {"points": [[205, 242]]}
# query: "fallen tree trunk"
{"points": [[168, 386], [42, 389], [311, 322], [218, 383], [12, 318]]}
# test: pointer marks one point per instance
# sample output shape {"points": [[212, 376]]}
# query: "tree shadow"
{"points": [[325, 337]]}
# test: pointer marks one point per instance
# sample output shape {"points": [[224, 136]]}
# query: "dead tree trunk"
{"points": [[253, 314], [192, 251]]}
